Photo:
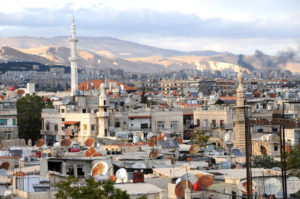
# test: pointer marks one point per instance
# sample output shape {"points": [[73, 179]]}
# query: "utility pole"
{"points": [[248, 157]]}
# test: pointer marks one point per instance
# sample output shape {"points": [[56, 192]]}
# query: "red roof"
{"points": [[228, 98], [70, 122], [84, 86]]}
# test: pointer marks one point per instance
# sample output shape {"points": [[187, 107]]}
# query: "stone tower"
{"points": [[239, 119], [103, 114], [73, 59]]}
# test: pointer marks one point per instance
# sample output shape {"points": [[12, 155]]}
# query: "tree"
{"points": [[29, 110], [144, 97], [70, 189], [293, 161], [264, 161], [200, 138]]}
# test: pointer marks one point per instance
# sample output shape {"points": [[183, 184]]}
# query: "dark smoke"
{"points": [[244, 64], [274, 62], [264, 61]]}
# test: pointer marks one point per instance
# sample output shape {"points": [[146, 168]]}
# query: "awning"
{"points": [[70, 122]]}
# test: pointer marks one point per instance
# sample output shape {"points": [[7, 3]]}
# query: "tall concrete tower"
{"points": [[239, 120], [73, 59]]}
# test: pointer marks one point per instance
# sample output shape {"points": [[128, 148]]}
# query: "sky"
{"points": [[238, 26]]}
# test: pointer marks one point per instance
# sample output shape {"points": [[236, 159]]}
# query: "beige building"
{"points": [[215, 116], [78, 118]]}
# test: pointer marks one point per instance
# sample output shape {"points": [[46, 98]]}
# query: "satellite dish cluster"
{"points": [[191, 181]]}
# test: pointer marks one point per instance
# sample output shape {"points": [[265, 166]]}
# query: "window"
{"points": [[205, 123], [7, 134], [222, 123], [160, 124], [62, 119], [62, 110], [104, 102], [47, 127], [85, 127], [105, 132], [275, 147], [14, 122], [117, 124], [198, 122], [144, 126], [84, 110], [3, 122], [213, 123], [80, 171], [233, 195], [92, 127], [174, 124], [56, 127]]}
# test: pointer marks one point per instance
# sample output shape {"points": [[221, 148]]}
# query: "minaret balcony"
{"points": [[102, 114]]}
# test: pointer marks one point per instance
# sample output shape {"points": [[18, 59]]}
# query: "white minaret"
{"points": [[73, 59]]}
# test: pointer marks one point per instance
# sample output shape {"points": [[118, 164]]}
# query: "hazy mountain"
{"points": [[100, 45], [8, 54], [104, 52], [60, 55]]}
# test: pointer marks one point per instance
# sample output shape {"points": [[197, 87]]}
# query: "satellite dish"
{"points": [[152, 141], [194, 149], [97, 155], [66, 142], [112, 178], [293, 185], [272, 186], [178, 180], [181, 186], [56, 144], [138, 165], [243, 186], [190, 177], [5, 165], [100, 168], [153, 154], [149, 135], [90, 152], [89, 142], [205, 180], [40, 142], [121, 174]]}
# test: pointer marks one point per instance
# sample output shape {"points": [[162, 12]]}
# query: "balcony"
{"points": [[48, 132], [102, 114], [71, 132]]}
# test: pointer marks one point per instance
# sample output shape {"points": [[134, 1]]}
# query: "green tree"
{"points": [[71, 189], [144, 97], [264, 161], [293, 161], [200, 138], [29, 110]]}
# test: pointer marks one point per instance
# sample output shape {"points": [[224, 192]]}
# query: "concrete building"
{"points": [[8, 120]]}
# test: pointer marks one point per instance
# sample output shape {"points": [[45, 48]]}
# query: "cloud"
{"points": [[103, 20], [184, 31]]}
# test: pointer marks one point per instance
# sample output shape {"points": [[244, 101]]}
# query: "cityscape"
{"points": [[143, 109]]}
